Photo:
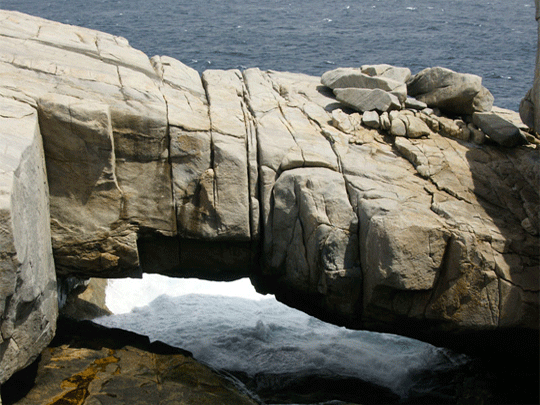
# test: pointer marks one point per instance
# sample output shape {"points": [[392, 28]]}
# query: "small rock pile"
{"points": [[392, 100]]}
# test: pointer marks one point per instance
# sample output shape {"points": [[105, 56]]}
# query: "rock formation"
{"points": [[529, 109], [28, 300], [91, 364], [425, 226]]}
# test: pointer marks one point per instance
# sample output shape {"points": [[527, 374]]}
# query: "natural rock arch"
{"points": [[152, 167]]}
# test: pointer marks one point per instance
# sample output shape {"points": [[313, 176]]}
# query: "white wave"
{"points": [[265, 336], [123, 295]]}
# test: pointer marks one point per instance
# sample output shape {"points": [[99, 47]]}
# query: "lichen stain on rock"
{"points": [[79, 383]]}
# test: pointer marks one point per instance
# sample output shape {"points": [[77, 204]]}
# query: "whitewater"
{"points": [[231, 327]]}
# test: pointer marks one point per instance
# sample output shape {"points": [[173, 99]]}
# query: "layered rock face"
{"points": [[28, 300], [398, 220]]}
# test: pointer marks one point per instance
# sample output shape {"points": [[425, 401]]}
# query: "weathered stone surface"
{"points": [[398, 127], [398, 74], [182, 89], [342, 78], [500, 130], [89, 364], [82, 299], [416, 128], [28, 300], [260, 174], [368, 100], [385, 121], [101, 99], [456, 93], [348, 123], [371, 119], [314, 239], [415, 104]]}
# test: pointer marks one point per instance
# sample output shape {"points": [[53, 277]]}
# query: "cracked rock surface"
{"points": [[153, 167], [28, 299]]}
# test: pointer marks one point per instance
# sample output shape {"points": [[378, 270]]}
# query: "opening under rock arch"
{"points": [[279, 353]]}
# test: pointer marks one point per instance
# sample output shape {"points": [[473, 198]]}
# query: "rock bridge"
{"points": [[114, 164]]}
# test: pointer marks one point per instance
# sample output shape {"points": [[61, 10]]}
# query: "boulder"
{"points": [[28, 297], [477, 136], [398, 74], [414, 104], [371, 119], [500, 130], [385, 121], [455, 93], [398, 127], [367, 100], [416, 128], [342, 78], [348, 123]]}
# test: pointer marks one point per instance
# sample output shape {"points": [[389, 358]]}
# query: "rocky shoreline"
{"points": [[344, 196]]}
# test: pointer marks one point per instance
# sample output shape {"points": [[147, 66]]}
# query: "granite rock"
{"points": [[398, 74], [89, 364], [152, 167], [28, 297], [455, 93], [368, 100], [371, 119], [342, 78], [500, 130]]}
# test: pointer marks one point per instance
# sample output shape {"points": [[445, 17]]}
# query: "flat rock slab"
{"points": [[399, 74], [368, 100], [342, 78], [499, 129]]}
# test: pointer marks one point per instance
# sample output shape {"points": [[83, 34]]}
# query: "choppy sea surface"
{"points": [[495, 39]]}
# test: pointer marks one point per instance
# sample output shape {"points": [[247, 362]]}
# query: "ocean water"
{"points": [[231, 327], [495, 39]]}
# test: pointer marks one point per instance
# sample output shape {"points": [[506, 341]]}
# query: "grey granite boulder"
{"points": [[368, 100], [371, 119], [342, 78], [500, 130], [398, 74], [456, 93]]}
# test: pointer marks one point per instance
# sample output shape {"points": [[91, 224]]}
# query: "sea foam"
{"points": [[230, 327]]}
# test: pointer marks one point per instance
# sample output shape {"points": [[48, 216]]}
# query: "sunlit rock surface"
{"points": [[28, 300], [153, 168]]}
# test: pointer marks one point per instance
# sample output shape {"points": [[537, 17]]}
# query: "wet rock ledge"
{"points": [[374, 199], [90, 364]]}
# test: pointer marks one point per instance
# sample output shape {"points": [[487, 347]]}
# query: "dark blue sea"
{"points": [[259, 340], [494, 39]]}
